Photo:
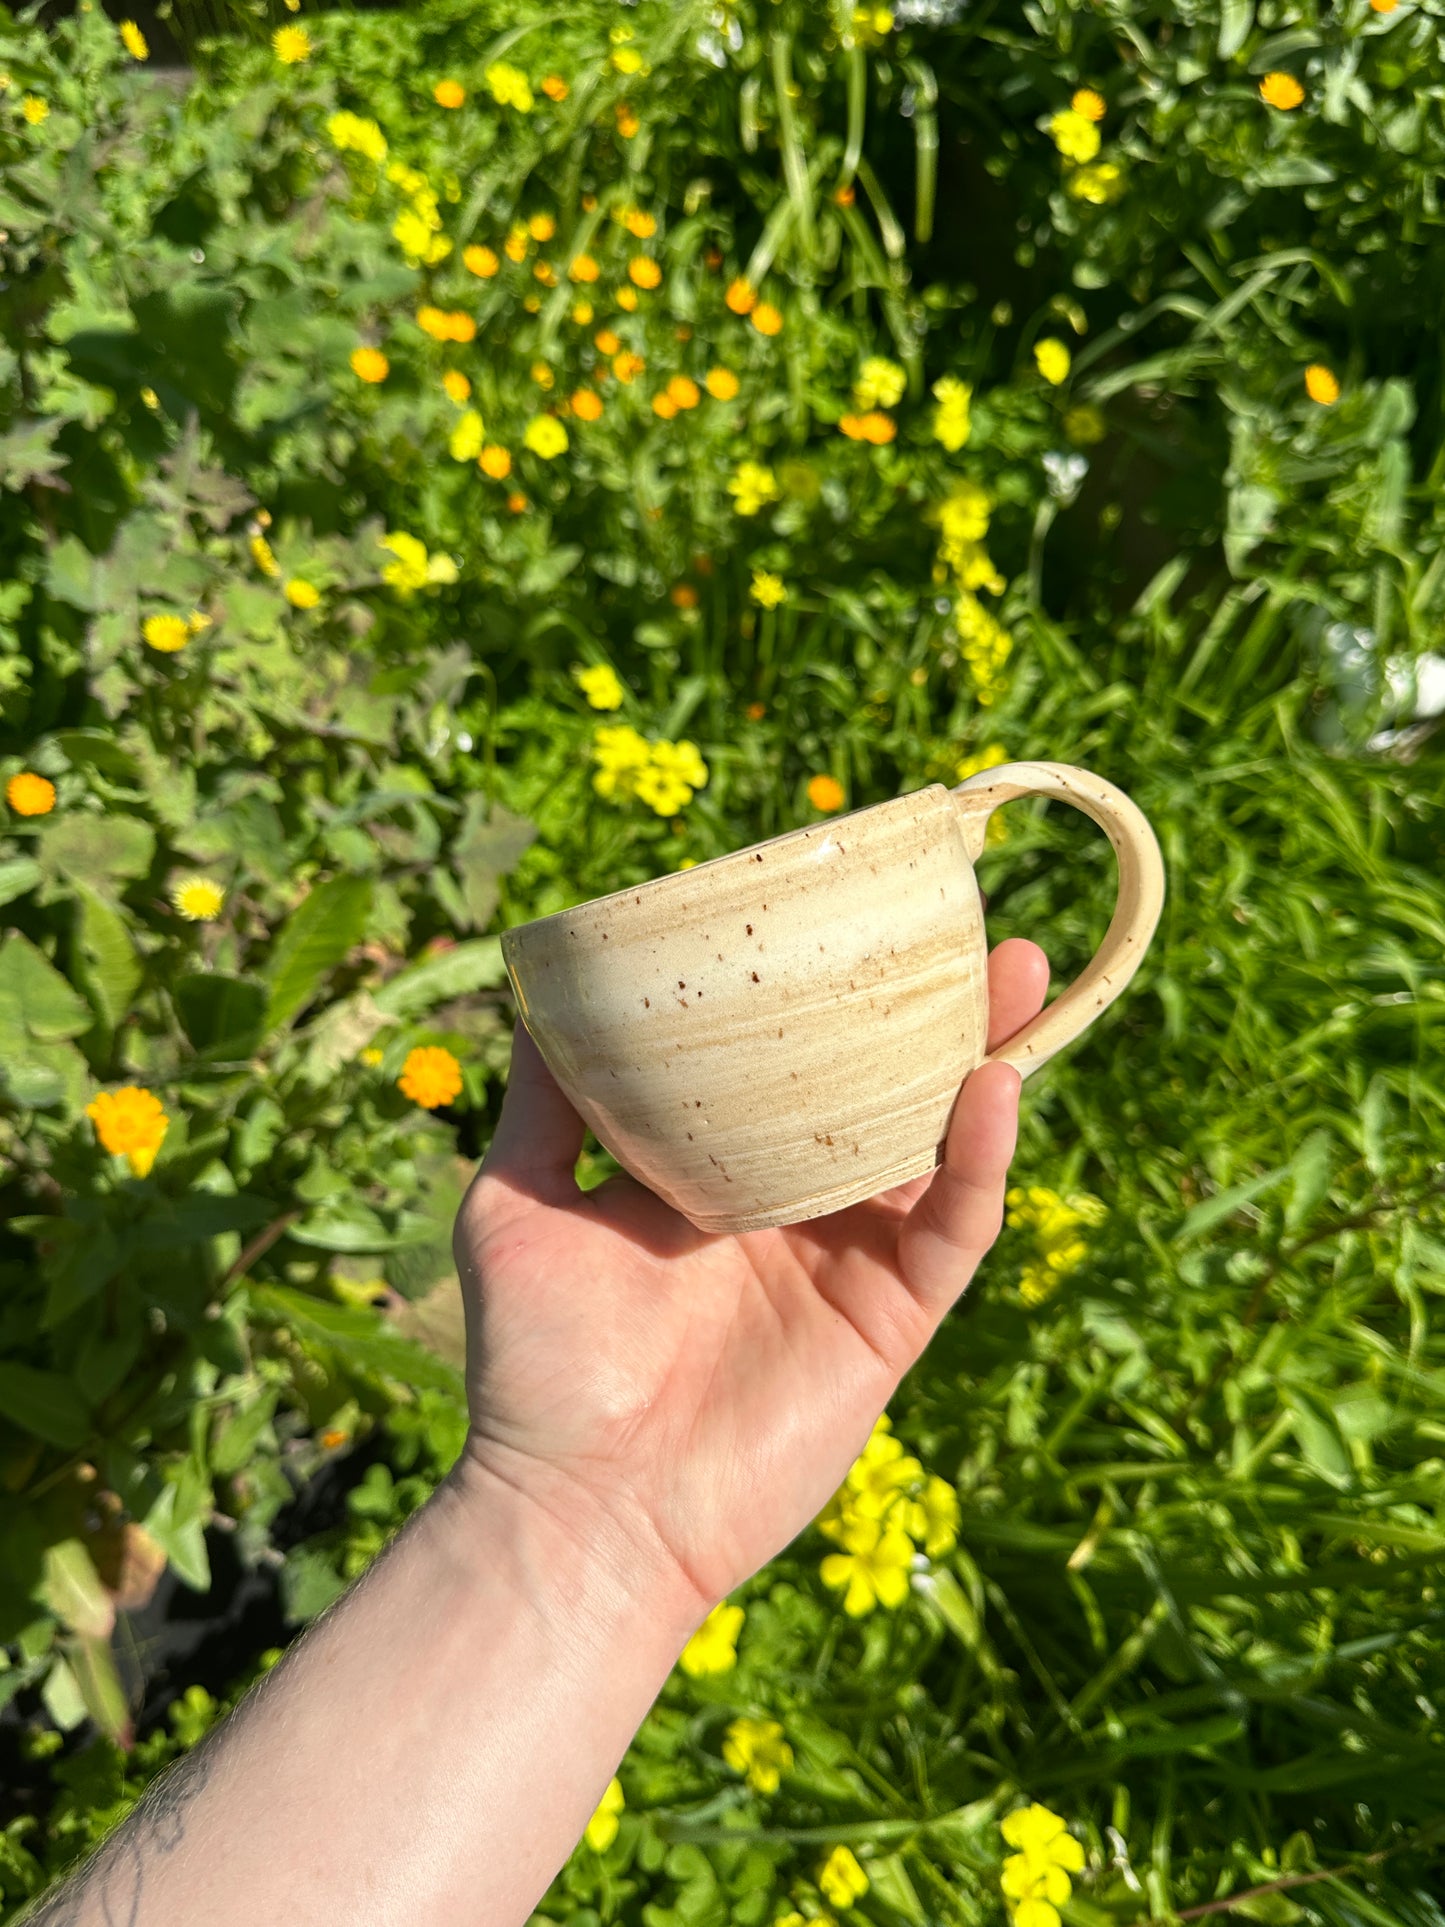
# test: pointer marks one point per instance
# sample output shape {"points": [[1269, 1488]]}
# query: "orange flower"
{"points": [[683, 596], [1321, 384], [875, 427], [626, 365], [846, 195], [444, 324], [369, 364], [664, 406], [584, 268], [1281, 90], [456, 385], [627, 298], [825, 793], [516, 502], [30, 795], [755, 712], [741, 297], [683, 392], [644, 271], [1090, 104], [449, 93], [627, 121], [586, 405], [130, 1123], [430, 1077], [766, 319], [546, 274], [721, 383], [555, 88], [495, 461], [638, 224], [542, 227], [607, 342], [480, 261]]}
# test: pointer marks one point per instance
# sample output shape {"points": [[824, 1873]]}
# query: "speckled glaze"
{"points": [[782, 1032]]}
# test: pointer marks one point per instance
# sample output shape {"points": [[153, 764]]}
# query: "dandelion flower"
{"points": [[582, 312], [605, 342], [369, 364], [130, 1123], [134, 41], [641, 225], [713, 1648], [768, 590], [516, 502], [480, 261], [430, 1077], [1321, 384], [684, 392], [198, 899], [644, 271], [757, 1750], [449, 93], [1053, 360], [29, 794], [457, 386], [841, 1879], [555, 88], [767, 319], [1089, 104], [495, 461], [875, 427], [35, 109], [291, 45], [627, 366], [301, 594], [465, 443], [825, 793], [741, 297], [602, 1827], [1384, 6], [351, 133], [1282, 91], [721, 383], [166, 633], [583, 268], [545, 436], [586, 404], [601, 685], [627, 121]]}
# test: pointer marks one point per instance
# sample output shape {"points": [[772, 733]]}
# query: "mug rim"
{"points": [[637, 890]]}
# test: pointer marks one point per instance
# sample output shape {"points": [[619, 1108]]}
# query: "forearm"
{"points": [[434, 1747]]}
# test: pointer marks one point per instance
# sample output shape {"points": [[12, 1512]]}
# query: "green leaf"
{"points": [[17, 875], [45, 1403], [28, 454], [177, 1523], [453, 973], [103, 851], [93, 1663], [175, 1223], [361, 1339], [489, 845], [1319, 1439], [109, 969], [1212, 1211], [315, 938], [72, 1589], [309, 1584], [36, 1003], [222, 1016], [238, 1438], [1236, 18], [1311, 1169]]}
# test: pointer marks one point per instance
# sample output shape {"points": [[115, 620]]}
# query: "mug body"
{"points": [[777, 1033]]}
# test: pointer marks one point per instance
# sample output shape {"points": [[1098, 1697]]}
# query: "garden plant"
{"points": [[464, 459]]}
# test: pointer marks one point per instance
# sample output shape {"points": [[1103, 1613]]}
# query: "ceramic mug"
{"points": [[778, 1033]]}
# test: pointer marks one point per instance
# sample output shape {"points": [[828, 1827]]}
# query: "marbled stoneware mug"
{"points": [[782, 1032]]}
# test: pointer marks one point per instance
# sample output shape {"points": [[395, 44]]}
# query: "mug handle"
{"points": [[1141, 894]]}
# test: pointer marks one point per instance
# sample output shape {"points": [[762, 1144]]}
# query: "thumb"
{"points": [[539, 1136], [960, 1214]]}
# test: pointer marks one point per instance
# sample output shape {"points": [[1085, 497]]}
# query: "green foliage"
{"points": [[1190, 1600]]}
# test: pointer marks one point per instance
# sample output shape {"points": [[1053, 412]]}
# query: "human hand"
{"points": [[696, 1399]]}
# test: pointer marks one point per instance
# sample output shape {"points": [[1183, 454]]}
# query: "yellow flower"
{"points": [[34, 109], [369, 364], [291, 44], [431, 1076], [933, 1519], [510, 87], [1035, 1880], [602, 1827], [1088, 103], [841, 1878], [300, 593], [350, 133], [543, 375], [1099, 184], [757, 1749], [542, 227], [664, 406], [874, 1567], [418, 238], [29, 794], [1056, 1223], [825, 793], [409, 571], [751, 487], [555, 88], [480, 261], [951, 421], [134, 41], [989, 758], [1282, 91], [1074, 134], [879, 1477], [627, 60], [1084, 425], [449, 93], [627, 298], [880, 384], [606, 342], [768, 590], [198, 899], [262, 556], [670, 778], [130, 1123], [741, 297], [495, 461], [166, 633], [584, 268], [466, 438], [644, 271], [642, 226], [683, 392], [627, 121], [627, 366], [545, 436], [582, 312], [721, 383], [457, 386], [766, 319], [586, 404], [713, 1648], [1053, 360], [1321, 384], [601, 686], [372, 1056]]}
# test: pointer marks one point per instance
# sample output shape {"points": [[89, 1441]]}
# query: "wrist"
{"points": [[601, 1555]]}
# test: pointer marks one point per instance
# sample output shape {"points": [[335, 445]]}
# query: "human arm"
{"points": [[655, 1413]]}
